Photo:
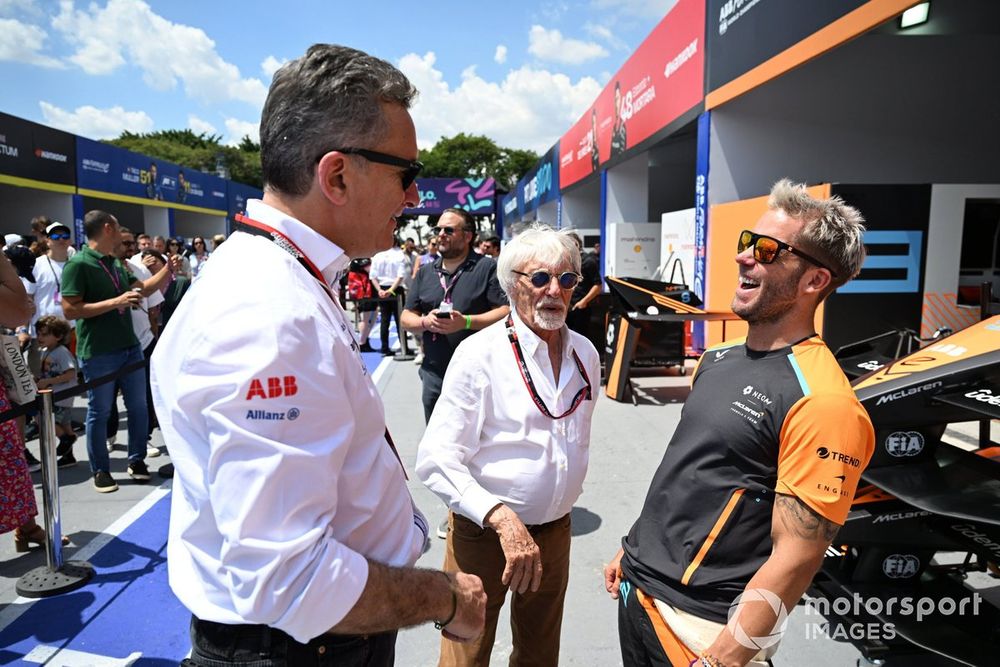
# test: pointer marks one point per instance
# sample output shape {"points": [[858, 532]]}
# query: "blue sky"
{"points": [[519, 72]]}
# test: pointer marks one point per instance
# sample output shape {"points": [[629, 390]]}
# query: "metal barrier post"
{"points": [[404, 349], [56, 577], [50, 480]]}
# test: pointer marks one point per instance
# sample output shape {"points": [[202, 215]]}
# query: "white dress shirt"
{"points": [[284, 480], [488, 443], [387, 266], [140, 316]]}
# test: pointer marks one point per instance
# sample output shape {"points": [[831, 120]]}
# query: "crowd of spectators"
{"points": [[61, 294]]}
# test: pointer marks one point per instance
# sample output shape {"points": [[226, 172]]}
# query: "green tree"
{"points": [[476, 156], [202, 152]]}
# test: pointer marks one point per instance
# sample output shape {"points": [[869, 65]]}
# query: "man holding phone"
{"points": [[451, 299]]}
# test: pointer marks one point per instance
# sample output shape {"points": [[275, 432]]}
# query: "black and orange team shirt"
{"points": [[755, 424]]}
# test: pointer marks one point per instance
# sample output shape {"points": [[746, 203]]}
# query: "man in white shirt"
{"points": [[507, 448], [388, 273], [292, 532], [48, 272]]}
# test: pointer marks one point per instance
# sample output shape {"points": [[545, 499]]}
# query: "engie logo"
{"points": [[276, 387]]}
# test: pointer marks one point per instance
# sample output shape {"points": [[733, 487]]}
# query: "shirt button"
{"points": [[321, 650]]}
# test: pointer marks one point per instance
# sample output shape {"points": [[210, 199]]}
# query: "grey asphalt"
{"points": [[627, 444]]}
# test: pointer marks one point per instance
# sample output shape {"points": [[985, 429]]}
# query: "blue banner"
{"points": [[701, 220], [541, 184], [114, 170], [239, 194]]}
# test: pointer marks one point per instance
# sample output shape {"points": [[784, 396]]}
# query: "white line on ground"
{"points": [[23, 604]]}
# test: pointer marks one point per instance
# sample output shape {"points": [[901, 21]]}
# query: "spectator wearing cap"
{"points": [[48, 272]]}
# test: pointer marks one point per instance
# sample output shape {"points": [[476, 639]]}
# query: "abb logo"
{"points": [[275, 387]]}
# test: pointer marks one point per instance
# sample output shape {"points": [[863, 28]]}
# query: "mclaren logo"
{"points": [[909, 391], [901, 566], [899, 516]]}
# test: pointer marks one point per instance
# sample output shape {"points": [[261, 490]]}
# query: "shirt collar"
{"points": [[529, 340], [469, 262], [326, 255]]}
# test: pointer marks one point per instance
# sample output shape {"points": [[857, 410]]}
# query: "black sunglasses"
{"points": [[410, 167], [447, 231], [767, 248], [58, 235], [540, 279]]}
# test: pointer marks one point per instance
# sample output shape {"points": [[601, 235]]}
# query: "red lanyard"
{"points": [[583, 394], [254, 228], [112, 275]]}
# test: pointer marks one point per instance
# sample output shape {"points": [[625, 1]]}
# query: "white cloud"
{"points": [[604, 33], [500, 56], [271, 65], [552, 46], [640, 8], [199, 126], [94, 123], [530, 108], [237, 129], [128, 31], [23, 43]]}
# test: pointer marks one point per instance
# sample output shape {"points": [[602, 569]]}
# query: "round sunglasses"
{"points": [[540, 279], [767, 248]]}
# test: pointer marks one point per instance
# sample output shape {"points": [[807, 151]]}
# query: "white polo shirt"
{"points": [[48, 279], [488, 443], [284, 482]]}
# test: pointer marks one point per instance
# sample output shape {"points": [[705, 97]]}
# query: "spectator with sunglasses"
{"points": [[507, 448], [198, 256], [451, 299], [175, 248], [762, 468], [49, 269]]}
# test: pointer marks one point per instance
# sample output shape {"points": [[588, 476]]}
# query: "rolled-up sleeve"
{"points": [[452, 438]]}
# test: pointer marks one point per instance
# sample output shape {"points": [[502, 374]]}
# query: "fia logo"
{"points": [[904, 443], [900, 566]]}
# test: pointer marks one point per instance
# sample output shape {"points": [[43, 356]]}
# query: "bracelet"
{"points": [[468, 322], [441, 625]]}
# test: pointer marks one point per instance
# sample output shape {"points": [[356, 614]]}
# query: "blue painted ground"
{"points": [[128, 606]]}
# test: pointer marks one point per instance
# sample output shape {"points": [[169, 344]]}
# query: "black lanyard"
{"points": [[450, 285], [245, 224], [583, 394]]}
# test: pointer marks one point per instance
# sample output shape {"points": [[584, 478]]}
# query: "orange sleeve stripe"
{"points": [[713, 535], [677, 652]]}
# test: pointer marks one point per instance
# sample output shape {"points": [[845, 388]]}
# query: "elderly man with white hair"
{"points": [[507, 448]]}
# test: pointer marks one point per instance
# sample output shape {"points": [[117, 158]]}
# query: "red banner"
{"points": [[663, 79]]}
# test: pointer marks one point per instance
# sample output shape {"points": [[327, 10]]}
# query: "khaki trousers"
{"points": [[535, 618]]}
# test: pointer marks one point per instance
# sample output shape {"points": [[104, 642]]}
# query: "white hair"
{"points": [[537, 242]]}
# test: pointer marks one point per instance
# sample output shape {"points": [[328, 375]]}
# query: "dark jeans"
{"points": [[431, 392], [389, 309], [218, 645], [113, 418]]}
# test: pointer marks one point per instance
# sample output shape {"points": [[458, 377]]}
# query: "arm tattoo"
{"points": [[802, 521]]}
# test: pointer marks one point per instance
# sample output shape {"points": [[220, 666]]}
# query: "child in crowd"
{"points": [[58, 373]]}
